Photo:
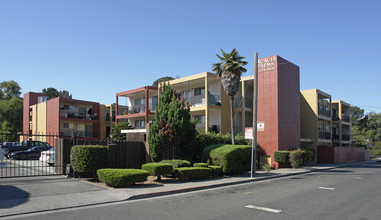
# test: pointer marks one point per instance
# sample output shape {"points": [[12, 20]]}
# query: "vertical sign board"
{"points": [[249, 131]]}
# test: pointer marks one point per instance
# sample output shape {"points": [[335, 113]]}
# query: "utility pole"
{"points": [[255, 104]]}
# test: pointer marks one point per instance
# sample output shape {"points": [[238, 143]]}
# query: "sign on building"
{"points": [[249, 131]]}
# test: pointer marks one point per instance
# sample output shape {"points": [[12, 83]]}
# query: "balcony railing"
{"points": [[200, 100], [324, 112], [324, 135], [335, 117], [346, 118], [248, 102], [335, 137], [77, 115], [129, 110], [345, 137]]}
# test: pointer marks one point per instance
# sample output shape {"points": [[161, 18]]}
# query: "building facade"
{"points": [[61, 117]]}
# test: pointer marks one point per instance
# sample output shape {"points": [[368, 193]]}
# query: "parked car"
{"points": [[48, 156], [379, 159], [24, 145], [30, 154]]}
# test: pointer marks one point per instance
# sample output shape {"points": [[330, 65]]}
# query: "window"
{"points": [[199, 91], [65, 107], [82, 110], [200, 118], [139, 101], [65, 125]]}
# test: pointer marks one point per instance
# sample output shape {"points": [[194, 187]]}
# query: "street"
{"points": [[344, 193]]}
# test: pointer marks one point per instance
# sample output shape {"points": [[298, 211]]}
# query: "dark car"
{"points": [[24, 145], [30, 154]]}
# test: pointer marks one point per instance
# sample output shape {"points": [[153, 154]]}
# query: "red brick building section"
{"points": [[278, 105]]}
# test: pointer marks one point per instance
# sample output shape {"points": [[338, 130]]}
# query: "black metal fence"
{"points": [[25, 162]]}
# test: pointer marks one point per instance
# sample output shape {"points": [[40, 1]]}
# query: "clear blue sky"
{"points": [[95, 49]]}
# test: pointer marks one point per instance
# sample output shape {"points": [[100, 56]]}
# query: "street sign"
{"points": [[249, 131]]}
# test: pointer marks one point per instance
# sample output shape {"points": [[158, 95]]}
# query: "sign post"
{"points": [[255, 102]]}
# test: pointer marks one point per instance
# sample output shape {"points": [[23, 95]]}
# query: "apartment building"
{"points": [[137, 106], [60, 116], [208, 102], [107, 120]]}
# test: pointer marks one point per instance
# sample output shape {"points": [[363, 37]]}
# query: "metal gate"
{"points": [[25, 162]]}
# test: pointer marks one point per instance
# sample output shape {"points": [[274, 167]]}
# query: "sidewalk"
{"points": [[44, 193]]}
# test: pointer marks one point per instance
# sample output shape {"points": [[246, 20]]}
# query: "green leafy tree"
{"points": [[161, 80], [52, 93], [116, 131], [230, 69], [171, 135], [11, 108], [9, 89]]}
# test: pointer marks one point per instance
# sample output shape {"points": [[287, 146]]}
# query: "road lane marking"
{"points": [[263, 208], [247, 193], [358, 178], [327, 188]]}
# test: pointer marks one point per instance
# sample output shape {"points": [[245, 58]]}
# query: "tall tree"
{"points": [[162, 79], [116, 131], [230, 69], [171, 134], [9, 89], [52, 93], [11, 108]]}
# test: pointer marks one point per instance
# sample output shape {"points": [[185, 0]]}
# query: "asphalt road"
{"points": [[345, 193]]}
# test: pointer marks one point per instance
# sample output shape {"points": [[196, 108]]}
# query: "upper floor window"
{"points": [[139, 101]]}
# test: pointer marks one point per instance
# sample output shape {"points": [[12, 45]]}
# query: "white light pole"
{"points": [[255, 103]]}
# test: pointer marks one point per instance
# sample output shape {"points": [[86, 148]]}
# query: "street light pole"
{"points": [[255, 104]]}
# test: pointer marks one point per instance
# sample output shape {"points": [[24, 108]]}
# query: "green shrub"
{"points": [[375, 153], [296, 158], [202, 140], [232, 158], [193, 173], [200, 164], [177, 163], [307, 156], [121, 177], [206, 152], [158, 169], [87, 159], [282, 157], [216, 170], [266, 167]]}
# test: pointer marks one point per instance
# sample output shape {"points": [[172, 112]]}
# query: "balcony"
{"points": [[200, 100], [248, 102], [129, 110], [324, 135], [346, 118], [77, 115], [324, 111], [335, 137], [335, 117], [345, 137]]}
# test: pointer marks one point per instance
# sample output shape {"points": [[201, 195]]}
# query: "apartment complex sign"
{"points": [[249, 131], [267, 64]]}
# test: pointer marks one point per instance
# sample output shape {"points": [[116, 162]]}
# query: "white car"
{"points": [[48, 156], [379, 159]]}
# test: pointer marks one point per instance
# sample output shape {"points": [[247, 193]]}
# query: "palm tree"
{"points": [[230, 69]]}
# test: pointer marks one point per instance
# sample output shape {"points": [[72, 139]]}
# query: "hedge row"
{"points": [[177, 163], [87, 159], [121, 177], [192, 173], [294, 158]]}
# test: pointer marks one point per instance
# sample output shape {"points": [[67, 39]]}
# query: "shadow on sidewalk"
{"points": [[12, 196]]}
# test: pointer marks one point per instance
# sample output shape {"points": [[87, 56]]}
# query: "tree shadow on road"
{"points": [[12, 196]]}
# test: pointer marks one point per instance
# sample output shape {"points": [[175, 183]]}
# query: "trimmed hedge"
{"points": [[232, 158], [87, 159], [121, 177], [216, 170], [200, 164], [282, 157], [193, 173], [296, 158], [158, 169], [307, 156], [177, 163]]}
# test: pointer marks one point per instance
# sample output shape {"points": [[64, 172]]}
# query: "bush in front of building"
{"points": [[307, 155], [203, 140], [233, 159], [177, 163], [121, 177], [87, 159], [216, 170], [158, 169], [282, 157], [193, 173], [296, 158], [200, 164]]}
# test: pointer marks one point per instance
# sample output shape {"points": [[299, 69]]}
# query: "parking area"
{"points": [[24, 168]]}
